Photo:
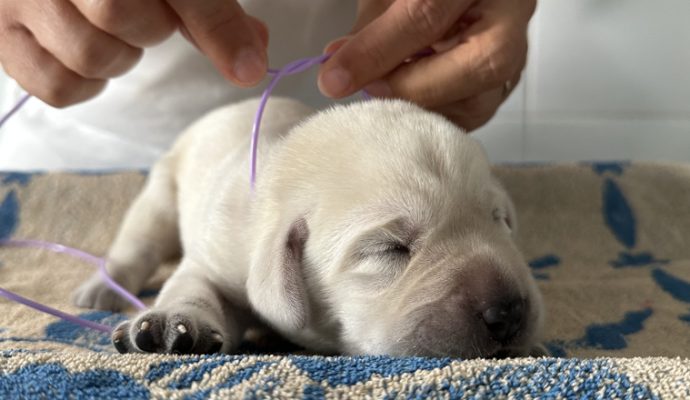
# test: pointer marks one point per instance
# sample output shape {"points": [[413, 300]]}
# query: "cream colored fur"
{"points": [[375, 228]]}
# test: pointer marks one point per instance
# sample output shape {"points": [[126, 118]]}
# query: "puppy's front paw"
{"points": [[95, 293], [168, 332]]}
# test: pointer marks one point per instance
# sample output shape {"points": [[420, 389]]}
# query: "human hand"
{"points": [[64, 51], [480, 49]]}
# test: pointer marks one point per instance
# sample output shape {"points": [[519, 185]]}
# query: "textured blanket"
{"points": [[608, 243]]}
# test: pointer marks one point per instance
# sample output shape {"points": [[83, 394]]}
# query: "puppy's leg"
{"points": [[190, 316], [149, 236]]}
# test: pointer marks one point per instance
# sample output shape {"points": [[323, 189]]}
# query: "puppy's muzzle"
{"points": [[484, 314]]}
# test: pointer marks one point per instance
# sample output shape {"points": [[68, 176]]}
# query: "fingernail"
{"points": [[250, 66], [335, 82], [335, 45], [379, 88]]}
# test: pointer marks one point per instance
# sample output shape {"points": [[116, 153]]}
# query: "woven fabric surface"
{"points": [[608, 243]]}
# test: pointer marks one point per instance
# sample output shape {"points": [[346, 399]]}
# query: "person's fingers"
{"points": [[61, 30], [473, 112], [457, 32], [257, 23], [136, 22], [222, 31], [369, 10], [261, 29], [485, 60], [40, 73], [405, 28]]}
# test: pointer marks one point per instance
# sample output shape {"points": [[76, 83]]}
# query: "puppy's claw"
{"points": [[216, 344], [118, 342], [145, 325]]}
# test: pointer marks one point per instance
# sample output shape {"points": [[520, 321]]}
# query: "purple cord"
{"points": [[289, 69], [292, 68], [97, 261], [14, 109]]}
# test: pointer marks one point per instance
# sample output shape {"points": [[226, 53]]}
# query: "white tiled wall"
{"points": [[606, 79]]}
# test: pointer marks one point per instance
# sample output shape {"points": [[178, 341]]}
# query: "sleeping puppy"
{"points": [[374, 228]]}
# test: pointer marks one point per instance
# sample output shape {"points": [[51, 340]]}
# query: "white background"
{"points": [[606, 80]]}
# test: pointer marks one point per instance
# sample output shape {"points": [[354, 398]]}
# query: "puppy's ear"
{"points": [[275, 284]]}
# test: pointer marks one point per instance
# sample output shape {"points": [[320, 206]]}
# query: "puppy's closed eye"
{"points": [[398, 249], [393, 250], [383, 261], [382, 257], [386, 249]]}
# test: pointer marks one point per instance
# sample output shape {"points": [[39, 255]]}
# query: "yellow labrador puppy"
{"points": [[375, 228]]}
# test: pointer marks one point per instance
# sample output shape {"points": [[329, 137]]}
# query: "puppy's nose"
{"points": [[504, 319]]}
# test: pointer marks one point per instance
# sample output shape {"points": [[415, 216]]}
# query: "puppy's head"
{"points": [[382, 231]]}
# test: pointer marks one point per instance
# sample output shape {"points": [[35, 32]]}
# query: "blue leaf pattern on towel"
{"points": [[9, 215], [615, 168], [676, 287], [643, 259], [22, 178], [612, 336], [547, 261], [618, 215], [538, 264]]}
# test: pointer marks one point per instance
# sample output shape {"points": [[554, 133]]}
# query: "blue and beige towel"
{"points": [[608, 243]]}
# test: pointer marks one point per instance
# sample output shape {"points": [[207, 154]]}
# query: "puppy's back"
{"points": [[211, 157]]}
